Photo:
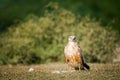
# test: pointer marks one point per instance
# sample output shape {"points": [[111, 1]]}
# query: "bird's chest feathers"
{"points": [[72, 49]]}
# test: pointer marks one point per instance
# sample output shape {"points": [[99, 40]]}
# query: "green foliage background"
{"points": [[42, 39], [105, 11]]}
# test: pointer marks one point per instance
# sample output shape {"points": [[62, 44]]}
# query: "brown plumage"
{"points": [[73, 55]]}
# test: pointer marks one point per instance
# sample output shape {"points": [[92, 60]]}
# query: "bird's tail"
{"points": [[86, 66]]}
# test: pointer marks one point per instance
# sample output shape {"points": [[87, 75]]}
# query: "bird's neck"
{"points": [[72, 43]]}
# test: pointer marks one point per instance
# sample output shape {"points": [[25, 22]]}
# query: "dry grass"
{"points": [[44, 72]]}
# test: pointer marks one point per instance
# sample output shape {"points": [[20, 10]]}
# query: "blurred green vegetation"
{"points": [[42, 39], [105, 11]]}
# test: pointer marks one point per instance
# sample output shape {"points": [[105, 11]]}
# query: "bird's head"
{"points": [[72, 39]]}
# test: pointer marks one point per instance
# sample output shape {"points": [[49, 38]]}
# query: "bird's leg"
{"points": [[69, 68], [82, 67], [79, 67]]}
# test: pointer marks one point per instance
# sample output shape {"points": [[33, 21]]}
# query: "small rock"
{"points": [[56, 72], [31, 70]]}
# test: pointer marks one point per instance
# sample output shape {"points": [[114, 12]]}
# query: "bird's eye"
{"points": [[74, 38]]}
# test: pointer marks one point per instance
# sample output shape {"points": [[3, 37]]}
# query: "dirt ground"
{"points": [[58, 71]]}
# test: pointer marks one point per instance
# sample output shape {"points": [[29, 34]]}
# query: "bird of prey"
{"points": [[73, 55]]}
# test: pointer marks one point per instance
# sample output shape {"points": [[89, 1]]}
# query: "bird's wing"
{"points": [[80, 53]]}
